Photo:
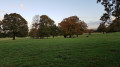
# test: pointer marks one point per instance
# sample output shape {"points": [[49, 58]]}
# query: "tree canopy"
{"points": [[72, 26], [43, 26], [112, 8], [15, 24]]}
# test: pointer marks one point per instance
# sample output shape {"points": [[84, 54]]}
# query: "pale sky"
{"points": [[87, 10]]}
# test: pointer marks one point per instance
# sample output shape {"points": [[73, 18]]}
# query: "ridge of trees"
{"points": [[14, 25]]}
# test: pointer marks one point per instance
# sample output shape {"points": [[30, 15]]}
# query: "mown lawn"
{"points": [[97, 50]]}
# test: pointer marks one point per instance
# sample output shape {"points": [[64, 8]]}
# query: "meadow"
{"points": [[97, 50]]}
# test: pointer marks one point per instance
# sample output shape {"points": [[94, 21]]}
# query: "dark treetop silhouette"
{"points": [[15, 24]]}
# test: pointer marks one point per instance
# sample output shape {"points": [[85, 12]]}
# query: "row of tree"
{"points": [[112, 27], [43, 26], [14, 25]]}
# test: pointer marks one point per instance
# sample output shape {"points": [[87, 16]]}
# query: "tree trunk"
{"points": [[13, 36], [77, 35], [89, 33], [103, 32], [64, 36], [53, 36], [70, 36]]}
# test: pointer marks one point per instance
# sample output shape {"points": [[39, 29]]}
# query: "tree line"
{"points": [[43, 26], [14, 25]]}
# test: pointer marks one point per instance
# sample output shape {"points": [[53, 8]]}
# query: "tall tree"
{"points": [[35, 25], [112, 8], [44, 27], [15, 24], [72, 26], [109, 5], [68, 26]]}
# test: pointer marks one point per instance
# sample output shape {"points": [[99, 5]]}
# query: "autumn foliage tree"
{"points": [[71, 26], [15, 24]]}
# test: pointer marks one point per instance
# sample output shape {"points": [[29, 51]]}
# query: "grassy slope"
{"points": [[98, 50]]}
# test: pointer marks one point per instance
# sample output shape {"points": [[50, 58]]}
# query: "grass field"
{"points": [[97, 50]]}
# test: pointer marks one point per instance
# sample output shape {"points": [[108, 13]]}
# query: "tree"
{"points": [[35, 25], [45, 26], [105, 18], [54, 30], [90, 31], [35, 33], [0, 24], [114, 26], [112, 8], [102, 28], [15, 24], [42, 26], [81, 27], [72, 26], [0, 29], [68, 26], [31, 33]]}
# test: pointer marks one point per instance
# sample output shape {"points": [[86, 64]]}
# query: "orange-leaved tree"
{"points": [[72, 26]]}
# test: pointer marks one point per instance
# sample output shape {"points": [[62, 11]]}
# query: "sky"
{"points": [[87, 10]]}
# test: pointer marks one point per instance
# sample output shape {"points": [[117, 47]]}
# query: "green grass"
{"points": [[97, 50]]}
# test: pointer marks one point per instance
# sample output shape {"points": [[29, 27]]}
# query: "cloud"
{"points": [[3, 11], [21, 5], [84, 17], [93, 25], [14, 7]]}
